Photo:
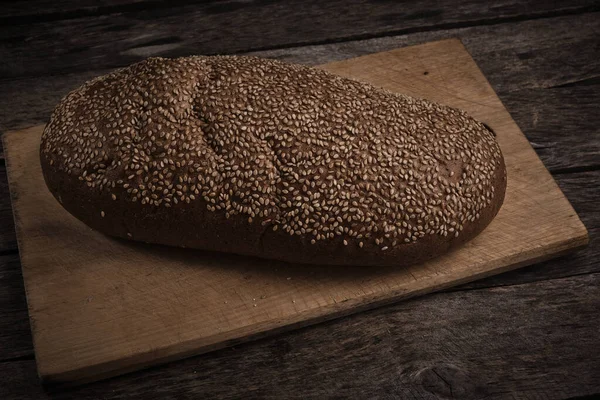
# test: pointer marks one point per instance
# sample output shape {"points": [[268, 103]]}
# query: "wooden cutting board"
{"points": [[101, 307]]}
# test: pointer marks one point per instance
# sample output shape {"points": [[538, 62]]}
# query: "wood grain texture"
{"points": [[63, 9], [527, 57], [44, 10], [15, 337], [107, 41], [8, 240], [530, 52], [18, 380], [561, 124], [513, 56], [500, 343], [93, 296]]}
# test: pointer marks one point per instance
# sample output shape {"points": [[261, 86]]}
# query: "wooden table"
{"points": [[525, 334]]}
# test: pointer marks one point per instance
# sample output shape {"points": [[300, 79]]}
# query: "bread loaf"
{"points": [[269, 159]]}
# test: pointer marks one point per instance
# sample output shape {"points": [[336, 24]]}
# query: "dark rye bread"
{"points": [[269, 159]]}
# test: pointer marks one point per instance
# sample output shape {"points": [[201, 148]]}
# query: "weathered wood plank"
{"points": [[518, 41], [543, 44], [81, 44], [523, 341], [562, 123], [61, 9], [8, 239], [15, 335], [18, 380], [513, 56], [30, 101]]}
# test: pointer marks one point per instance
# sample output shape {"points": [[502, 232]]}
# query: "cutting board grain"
{"points": [[101, 307]]}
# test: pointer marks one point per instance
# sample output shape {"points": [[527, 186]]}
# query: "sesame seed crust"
{"points": [[264, 158]]}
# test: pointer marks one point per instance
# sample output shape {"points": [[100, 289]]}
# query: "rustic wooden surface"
{"points": [[71, 287], [531, 333]]}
